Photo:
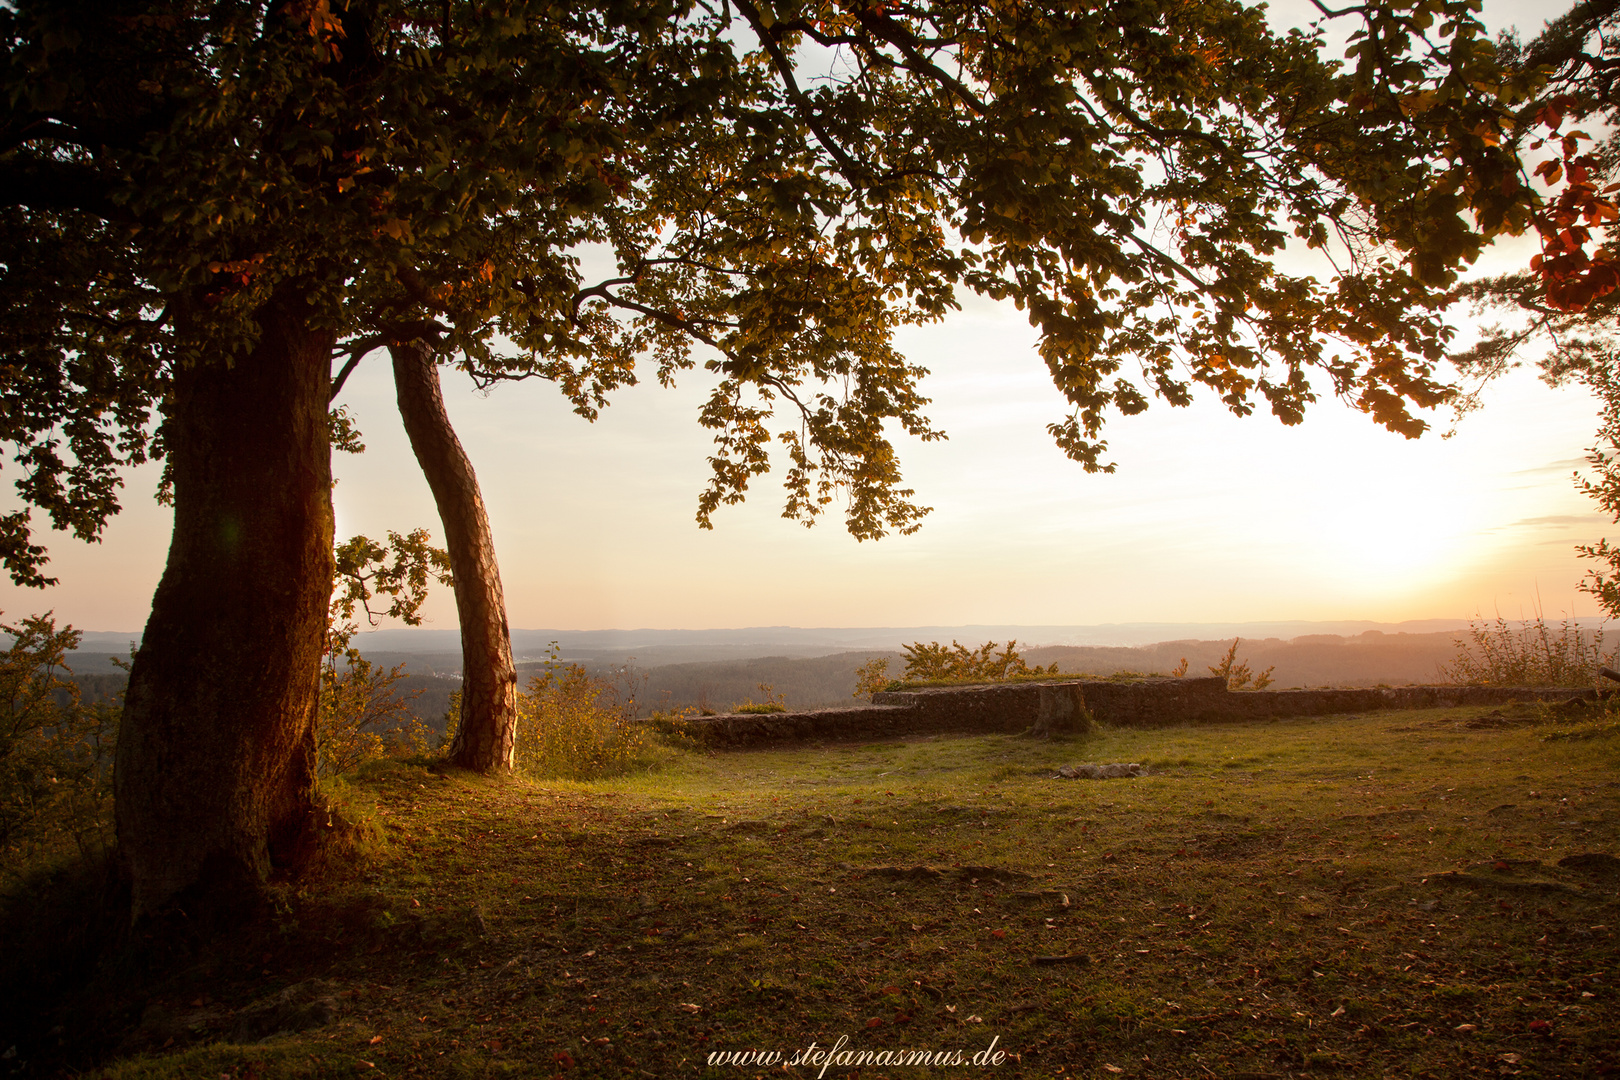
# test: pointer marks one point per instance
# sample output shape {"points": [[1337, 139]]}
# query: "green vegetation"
{"points": [[773, 703], [936, 665], [56, 755], [1535, 653], [1236, 672], [1400, 894], [362, 714], [576, 726]]}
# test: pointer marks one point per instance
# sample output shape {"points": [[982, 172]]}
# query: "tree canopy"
{"points": [[778, 186]]}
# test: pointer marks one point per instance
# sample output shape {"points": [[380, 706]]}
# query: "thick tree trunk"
{"points": [[487, 735], [215, 776]]}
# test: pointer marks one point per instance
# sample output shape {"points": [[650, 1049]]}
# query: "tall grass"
{"points": [[1533, 653]]}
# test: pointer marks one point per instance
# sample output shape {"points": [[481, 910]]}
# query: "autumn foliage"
{"points": [[1580, 214]]}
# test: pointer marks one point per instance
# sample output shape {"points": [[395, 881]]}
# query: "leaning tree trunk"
{"points": [[487, 735], [215, 777]]}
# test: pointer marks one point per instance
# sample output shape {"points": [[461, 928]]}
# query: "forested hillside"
{"points": [[1314, 660], [1367, 659]]}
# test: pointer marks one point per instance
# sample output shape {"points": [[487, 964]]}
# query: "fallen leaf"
{"points": [[875, 1022], [1116, 1068], [374, 1040], [691, 1008]]}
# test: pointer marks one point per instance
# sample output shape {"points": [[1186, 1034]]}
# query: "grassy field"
{"points": [[1383, 895]]}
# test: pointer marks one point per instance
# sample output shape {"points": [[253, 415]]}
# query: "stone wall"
{"points": [[1146, 703]]}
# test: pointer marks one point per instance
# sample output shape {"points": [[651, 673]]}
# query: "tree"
{"points": [[216, 201], [225, 160], [745, 240]]}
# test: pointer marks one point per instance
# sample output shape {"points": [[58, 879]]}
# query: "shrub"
{"points": [[56, 754], [773, 703], [936, 664], [576, 726], [362, 716], [1535, 653], [1236, 672]]}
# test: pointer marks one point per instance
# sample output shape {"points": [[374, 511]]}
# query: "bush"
{"points": [[362, 716], [773, 703], [1236, 672], [576, 726], [1535, 653], [56, 755], [935, 664]]}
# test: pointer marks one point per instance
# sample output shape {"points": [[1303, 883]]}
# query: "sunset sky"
{"points": [[1209, 518]]}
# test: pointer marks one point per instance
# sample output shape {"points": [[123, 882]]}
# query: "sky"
{"points": [[1209, 518]]}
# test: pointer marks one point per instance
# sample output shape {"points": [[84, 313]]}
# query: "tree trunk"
{"points": [[487, 735], [215, 777], [1062, 711]]}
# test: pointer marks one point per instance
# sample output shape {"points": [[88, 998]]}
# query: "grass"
{"points": [[1357, 895]]}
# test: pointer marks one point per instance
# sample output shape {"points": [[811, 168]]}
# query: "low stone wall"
{"points": [[1146, 703]]}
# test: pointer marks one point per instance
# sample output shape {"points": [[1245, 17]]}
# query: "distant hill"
{"points": [[1369, 659], [713, 669], [441, 649]]}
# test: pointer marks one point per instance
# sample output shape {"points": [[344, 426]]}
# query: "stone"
{"points": [[1111, 771]]}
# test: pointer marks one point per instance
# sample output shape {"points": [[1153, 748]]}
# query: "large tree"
{"points": [[204, 204]]}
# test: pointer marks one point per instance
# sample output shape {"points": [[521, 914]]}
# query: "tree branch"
{"points": [[355, 351], [851, 170]]}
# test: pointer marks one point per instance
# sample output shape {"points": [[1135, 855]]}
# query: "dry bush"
{"points": [[1535, 653]]}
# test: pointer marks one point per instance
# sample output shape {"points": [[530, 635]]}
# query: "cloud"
{"points": [[1555, 519], [1564, 466]]}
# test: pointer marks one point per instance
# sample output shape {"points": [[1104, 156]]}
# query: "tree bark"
{"points": [[215, 778], [1062, 711], [486, 737]]}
